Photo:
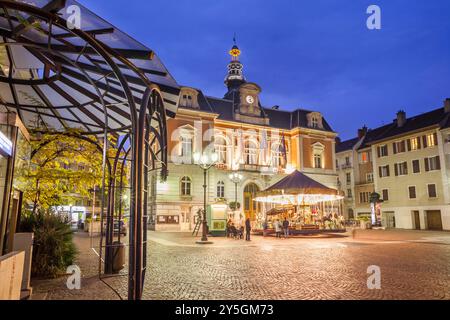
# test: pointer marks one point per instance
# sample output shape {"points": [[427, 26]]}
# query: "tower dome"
{"points": [[235, 75]]}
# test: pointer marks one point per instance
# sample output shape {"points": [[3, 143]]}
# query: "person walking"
{"points": [[278, 228], [248, 228], [286, 228], [265, 227]]}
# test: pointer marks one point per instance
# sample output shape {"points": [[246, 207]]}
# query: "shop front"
{"points": [[309, 206], [14, 158]]}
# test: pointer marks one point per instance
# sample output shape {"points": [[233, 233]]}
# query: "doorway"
{"points": [[389, 219], [416, 220], [250, 207], [434, 220]]}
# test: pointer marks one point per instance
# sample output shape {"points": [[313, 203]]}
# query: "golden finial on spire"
{"points": [[235, 52]]}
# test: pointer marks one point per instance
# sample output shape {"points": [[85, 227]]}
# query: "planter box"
{"points": [[11, 271]]}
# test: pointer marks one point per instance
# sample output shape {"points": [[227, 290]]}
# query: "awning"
{"points": [[297, 188], [56, 78]]}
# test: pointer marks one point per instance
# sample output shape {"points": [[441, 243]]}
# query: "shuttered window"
{"points": [[416, 166], [432, 164], [412, 192], [432, 193]]}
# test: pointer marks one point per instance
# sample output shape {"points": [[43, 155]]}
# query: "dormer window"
{"points": [[186, 101], [315, 120], [189, 98]]}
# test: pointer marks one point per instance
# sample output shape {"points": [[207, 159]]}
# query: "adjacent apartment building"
{"points": [[261, 144], [406, 162]]}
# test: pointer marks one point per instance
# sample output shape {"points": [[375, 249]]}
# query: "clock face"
{"points": [[250, 99]]}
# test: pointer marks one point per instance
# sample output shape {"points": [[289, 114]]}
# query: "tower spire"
{"points": [[235, 76]]}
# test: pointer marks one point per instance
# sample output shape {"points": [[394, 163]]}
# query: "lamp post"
{"points": [[205, 162], [236, 178]]}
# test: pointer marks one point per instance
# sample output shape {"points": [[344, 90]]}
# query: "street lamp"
{"points": [[236, 178], [205, 162]]}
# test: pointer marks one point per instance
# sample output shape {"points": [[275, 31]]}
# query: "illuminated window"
{"points": [[221, 149], [318, 155], [314, 122], [414, 144], [278, 154], [220, 189], [186, 147], [318, 161], [186, 101], [369, 177], [186, 183], [251, 153], [364, 157], [431, 140]]}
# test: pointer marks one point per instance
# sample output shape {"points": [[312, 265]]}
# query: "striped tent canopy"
{"points": [[298, 183], [56, 77], [297, 188]]}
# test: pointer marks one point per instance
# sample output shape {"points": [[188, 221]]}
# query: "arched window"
{"points": [[318, 151], [221, 149], [186, 186], [278, 156], [251, 153], [220, 189]]}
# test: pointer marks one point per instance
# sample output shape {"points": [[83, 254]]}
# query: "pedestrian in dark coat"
{"points": [[248, 229]]}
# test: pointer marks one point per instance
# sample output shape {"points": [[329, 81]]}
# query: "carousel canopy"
{"points": [[298, 183], [297, 188]]}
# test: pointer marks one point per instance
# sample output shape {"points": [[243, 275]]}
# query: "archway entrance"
{"points": [[251, 207]]}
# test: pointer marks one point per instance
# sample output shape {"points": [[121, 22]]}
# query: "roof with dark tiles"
{"points": [[434, 118], [346, 145]]}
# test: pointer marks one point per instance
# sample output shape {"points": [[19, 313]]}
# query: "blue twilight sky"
{"points": [[315, 54]]}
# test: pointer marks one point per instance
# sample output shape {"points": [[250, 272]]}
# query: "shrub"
{"points": [[53, 248]]}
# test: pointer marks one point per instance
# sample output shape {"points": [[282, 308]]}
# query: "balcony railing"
{"points": [[346, 166]]}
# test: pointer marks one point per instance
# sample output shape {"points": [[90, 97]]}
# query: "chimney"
{"points": [[401, 118], [362, 132], [447, 105]]}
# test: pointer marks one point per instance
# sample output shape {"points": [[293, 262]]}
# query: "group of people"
{"points": [[238, 233], [280, 227]]}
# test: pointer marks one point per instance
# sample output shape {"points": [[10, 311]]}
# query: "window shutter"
{"points": [[379, 152], [406, 167], [435, 138], [396, 169], [408, 142], [380, 172], [438, 163], [394, 146], [419, 143], [388, 170], [427, 165], [424, 139]]}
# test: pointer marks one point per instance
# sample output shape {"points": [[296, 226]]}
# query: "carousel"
{"points": [[309, 206]]}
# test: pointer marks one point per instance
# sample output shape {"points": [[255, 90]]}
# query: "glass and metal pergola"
{"points": [[100, 81]]}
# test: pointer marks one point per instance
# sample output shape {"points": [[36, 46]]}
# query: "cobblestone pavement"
{"points": [[268, 268]]}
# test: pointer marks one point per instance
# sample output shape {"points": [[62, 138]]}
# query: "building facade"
{"points": [[407, 163], [261, 144]]}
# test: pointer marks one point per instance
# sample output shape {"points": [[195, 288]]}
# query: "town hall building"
{"points": [[257, 143]]}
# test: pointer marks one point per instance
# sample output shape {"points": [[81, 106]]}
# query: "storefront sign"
{"points": [[5, 146]]}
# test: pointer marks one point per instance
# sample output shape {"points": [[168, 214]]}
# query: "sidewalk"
{"points": [[92, 288], [402, 235]]}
